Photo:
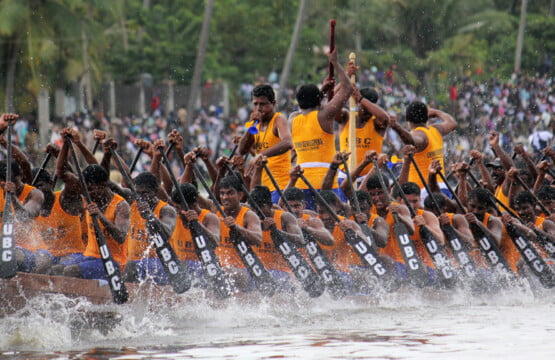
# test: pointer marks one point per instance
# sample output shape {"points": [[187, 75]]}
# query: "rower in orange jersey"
{"points": [[287, 224], [238, 219], [112, 211], [142, 260], [182, 240], [273, 139], [31, 252]]}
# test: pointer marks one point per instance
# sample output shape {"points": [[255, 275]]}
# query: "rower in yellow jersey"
{"points": [[272, 138], [312, 130], [427, 138]]}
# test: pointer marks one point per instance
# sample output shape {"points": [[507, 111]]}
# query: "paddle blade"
{"points": [[8, 263]]}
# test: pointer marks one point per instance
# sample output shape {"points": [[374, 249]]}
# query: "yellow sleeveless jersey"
{"points": [[434, 151], [367, 139], [279, 165], [315, 149]]}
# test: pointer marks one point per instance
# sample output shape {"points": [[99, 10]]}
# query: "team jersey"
{"points": [[341, 253], [279, 165], [182, 240], [267, 251], [502, 197], [315, 148], [419, 244], [476, 253], [434, 151], [226, 252], [367, 138], [61, 231], [391, 249], [138, 240], [119, 251]]}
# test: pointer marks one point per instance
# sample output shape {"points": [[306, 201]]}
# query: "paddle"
{"points": [[135, 160], [317, 256], [311, 282], [8, 262], [262, 278], [178, 277], [352, 121], [362, 249], [41, 168], [417, 273], [205, 253], [330, 65], [113, 272], [446, 270]]}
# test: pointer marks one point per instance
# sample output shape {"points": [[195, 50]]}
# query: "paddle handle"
{"points": [[330, 65], [353, 120]]}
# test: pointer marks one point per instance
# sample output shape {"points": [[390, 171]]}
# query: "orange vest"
{"points": [[226, 252], [419, 244], [511, 252], [26, 234], [392, 248], [434, 151], [367, 139], [476, 253], [119, 251], [61, 231], [267, 252], [341, 253], [315, 149], [279, 165], [138, 239], [182, 241]]}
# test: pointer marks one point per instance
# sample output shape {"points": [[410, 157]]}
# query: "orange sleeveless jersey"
{"points": [[434, 151], [419, 244], [315, 148], [341, 253], [26, 234], [138, 240], [510, 251], [476, 253], [267, 252], [226, 252], [391, 249], [119, 251], [279, 165], [367, 139], [61, 231], [182, 240]]}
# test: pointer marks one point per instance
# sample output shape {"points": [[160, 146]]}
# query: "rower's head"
{"points": [[364, 201], [412, 193], [296, 199], [190, 193], [16, 170], [263, 101], [375, 190], [262, 197], [146, 186], [370, 95], [546, 194], [524, 204], [479, 202], [231, 191], [417, 113], [44, 180], [96, 178], [497, 171], [335, 204], [308, 96], [439, 200]]}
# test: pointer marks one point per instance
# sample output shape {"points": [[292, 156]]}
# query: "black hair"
{"points": [[409, 188], [546, 192], [44, 175], [524, 197], [438, 197], [16, 169], [293, 194], [330, 197], [264, 90], [373, 182], [231, 182], [189, 191], [147, 179], [261, 195], [417, 112], [481, 195], [95, 174], [370, 94], [308, 96], [363, 196]]}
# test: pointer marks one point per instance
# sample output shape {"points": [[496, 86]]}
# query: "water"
{"points": [[412, 324]]}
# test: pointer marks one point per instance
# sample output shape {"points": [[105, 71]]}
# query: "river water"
{"points": [[410, 324]]}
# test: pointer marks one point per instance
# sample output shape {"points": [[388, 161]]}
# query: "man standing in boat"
{"points": [[312, 130], [272, 138]]}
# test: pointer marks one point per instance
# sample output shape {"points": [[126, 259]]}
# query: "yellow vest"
{"points": [[367, 139], [434, 151]]}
